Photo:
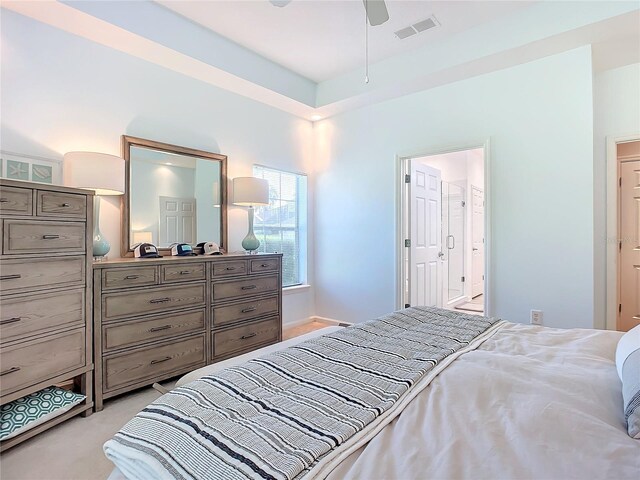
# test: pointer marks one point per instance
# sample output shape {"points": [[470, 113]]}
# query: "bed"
{"points": [[519, 402]]}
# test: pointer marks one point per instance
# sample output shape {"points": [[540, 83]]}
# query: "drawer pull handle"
{"points": [[248, 287], [131, 277], [184, 272], [264, 265], [153, 362], [11, 277], [157, 329], [4, 200], [11, 370], [251, 335], [247, 310], [65, 205], [231, 268], [50, 237], [160, 300], [10, 320]]}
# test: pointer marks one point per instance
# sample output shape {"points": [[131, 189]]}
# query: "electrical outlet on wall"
{"points": [[536, 317]]}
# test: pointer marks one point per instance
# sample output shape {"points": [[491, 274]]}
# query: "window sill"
{"points": [[295, 289]]}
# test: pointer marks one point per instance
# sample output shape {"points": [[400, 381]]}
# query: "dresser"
{"points": [[158, 318], [45, 294]]}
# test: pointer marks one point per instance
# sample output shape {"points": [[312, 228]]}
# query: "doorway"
{"points": [[444, 240], [628, 159]]}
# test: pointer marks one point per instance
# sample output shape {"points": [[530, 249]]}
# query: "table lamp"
{"points": [[102, 173], [250, 192]]}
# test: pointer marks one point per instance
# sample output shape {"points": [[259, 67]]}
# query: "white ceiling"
{"points": [[323, 39]]}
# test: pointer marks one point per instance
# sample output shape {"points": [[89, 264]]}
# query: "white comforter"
{"points": [[530, 402]]}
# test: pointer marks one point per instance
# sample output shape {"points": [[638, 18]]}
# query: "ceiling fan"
{"points": [[376, 10]]}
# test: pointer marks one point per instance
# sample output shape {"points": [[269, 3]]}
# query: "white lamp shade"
{"points": [[94, 171], [250, 191]]}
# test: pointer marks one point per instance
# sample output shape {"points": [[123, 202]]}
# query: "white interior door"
{"points": [[477, 241], [177, 221], [630, 245], [425, 266]]}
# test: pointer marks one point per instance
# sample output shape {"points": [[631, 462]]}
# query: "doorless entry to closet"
{"points": [[443, 227]]}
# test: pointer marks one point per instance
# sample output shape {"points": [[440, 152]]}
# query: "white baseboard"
{"points": [[304, 321], [297, 323], [330, 321]]}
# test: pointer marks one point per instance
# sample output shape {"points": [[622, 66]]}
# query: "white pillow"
{"points": [[628, 365], [629, 343]]}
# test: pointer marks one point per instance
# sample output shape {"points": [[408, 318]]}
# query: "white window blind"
{"points": [[281, 226]]}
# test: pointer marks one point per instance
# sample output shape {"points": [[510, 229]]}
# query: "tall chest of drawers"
{"points": [[158, 318], [45, 293]]}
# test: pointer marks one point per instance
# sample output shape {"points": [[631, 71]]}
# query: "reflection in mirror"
{"points": [[175, 194], [174, 198]]}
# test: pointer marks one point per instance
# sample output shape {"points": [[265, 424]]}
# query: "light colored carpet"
{"points": [[73, 449]]}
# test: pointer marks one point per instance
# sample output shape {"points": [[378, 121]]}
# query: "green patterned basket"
{"points": [[27, 412]]}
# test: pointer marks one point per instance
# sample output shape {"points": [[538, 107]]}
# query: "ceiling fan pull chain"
{"points": [[366, 41]]}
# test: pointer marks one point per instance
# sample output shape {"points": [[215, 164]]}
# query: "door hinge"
{"points": [[407, 242], [464, 204], [620, 245], [407, 178], [619, 308], [406, 305], [463, 279], [482, 277], [620, 182]]}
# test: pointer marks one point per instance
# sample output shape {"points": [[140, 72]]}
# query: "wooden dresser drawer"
{"points": [[26, 236], [265, 265], [55, 204], [182, 273], [139, 302], [129, 277], [245, 337], [160, 327], [153, 362], [18, 275], [16, 201], [30, 363], [245, 310], [29, 315], [227, 269], [244, 287]]}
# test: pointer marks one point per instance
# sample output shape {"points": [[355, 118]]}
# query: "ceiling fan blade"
{"points": [[376, 11], [279, 3]]}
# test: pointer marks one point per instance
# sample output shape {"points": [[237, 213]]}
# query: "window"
{"points": [[281, 227]]}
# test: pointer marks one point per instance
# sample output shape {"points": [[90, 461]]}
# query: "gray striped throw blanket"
{"points": [[292, 413]]}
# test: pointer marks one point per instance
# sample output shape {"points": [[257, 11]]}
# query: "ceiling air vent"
{"points": [[405, 32], [418, 27]]}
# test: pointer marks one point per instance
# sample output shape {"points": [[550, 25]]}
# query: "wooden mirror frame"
{"points": [[125, 206]]}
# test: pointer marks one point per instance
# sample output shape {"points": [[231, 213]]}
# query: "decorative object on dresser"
{"points": [[45, 296], [172, 195], [102, 173], [250, 192], [158, 318]]}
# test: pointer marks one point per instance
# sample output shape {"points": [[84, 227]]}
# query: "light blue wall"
{"points": [[539, 117]]}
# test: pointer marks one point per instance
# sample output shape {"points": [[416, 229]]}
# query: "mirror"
{"points": [[173, 194]]}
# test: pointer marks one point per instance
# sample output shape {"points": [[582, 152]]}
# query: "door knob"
{"points": [[441, 255]]}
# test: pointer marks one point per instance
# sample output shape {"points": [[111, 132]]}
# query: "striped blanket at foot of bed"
{"points": [[293, 413]]}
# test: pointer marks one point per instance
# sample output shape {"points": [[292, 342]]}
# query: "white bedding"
{"points": [[530, 402]]}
